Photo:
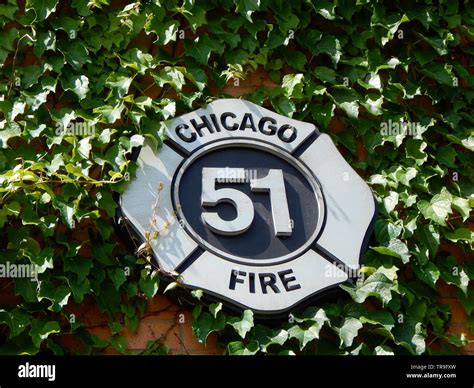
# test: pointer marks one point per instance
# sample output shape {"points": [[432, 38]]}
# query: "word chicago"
{"points": [[228, 121]]}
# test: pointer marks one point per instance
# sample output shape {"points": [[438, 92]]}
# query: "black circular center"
{"points": [[259, 241]]}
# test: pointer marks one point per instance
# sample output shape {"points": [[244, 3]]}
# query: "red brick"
{"points": [[160, 303], [153, 328], [336, 125], [458, 314], [193, 346], [459, 328], [103, 332], [446, 290]]}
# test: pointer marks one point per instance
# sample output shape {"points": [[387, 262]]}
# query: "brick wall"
{"points": [[163, 322]]}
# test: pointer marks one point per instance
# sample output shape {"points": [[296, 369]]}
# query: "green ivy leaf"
{"points": [[202, 47], [237, 348], [41, 8], [117, 275], [41, 329], [438, 208], [292, 85], [244, 324], [460, 234], [149, 283], [348, 331], [247, 7], [214, 308], [346, 99], [379, 284], [395, 248], [205, 324], [410, 335]]}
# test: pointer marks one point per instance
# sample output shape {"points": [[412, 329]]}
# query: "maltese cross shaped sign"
{"points": [[261, 211]]}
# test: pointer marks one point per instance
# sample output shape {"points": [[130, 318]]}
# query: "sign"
{"points": [[252, 207]]}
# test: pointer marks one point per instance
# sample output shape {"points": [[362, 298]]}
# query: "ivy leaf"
{"points": [[84, 148], [383, 350], [119, 83], [373, 104], [331, 46], [171, 75], [237, 348], [442, 73], [284, 106], [205, 324], [79, 265], [414, 149], [446, 155], [467, 300], [437, 209], [410, 335], [395, 248], [119, 343], [196, 18], [117, 275], [325, 74], [462, 206], [166, 32], [390, 201], [247, 7], [429, 273], [381, 318], [244, 324], [202, 47], [346, 99], [323, 114], [303, 336], [197, 294], [325, 9], [105, 200], [58, 296], [149, 283], [292, 85], [79, 289], [137, 60], [66, 211], [78, 84], [265, 337], [349, 330], [17, 320], [170, 287], [296, 60], [26, 288], [430, 237], [110, 113], [214, 308], [460, 234], [41, 329], [41, 8], [12, 130], [76, 54], [378, 284], [115, 327]]}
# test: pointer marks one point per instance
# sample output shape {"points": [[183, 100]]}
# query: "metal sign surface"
{"points": [[260, 210]]}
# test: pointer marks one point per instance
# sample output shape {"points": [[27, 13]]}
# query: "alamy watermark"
{"points": [[236, 175], [395, 128], [16, 270], [75, 128], [341, 271]]}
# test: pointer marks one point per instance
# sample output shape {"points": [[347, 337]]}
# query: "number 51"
{"points": [[273, 183]]}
